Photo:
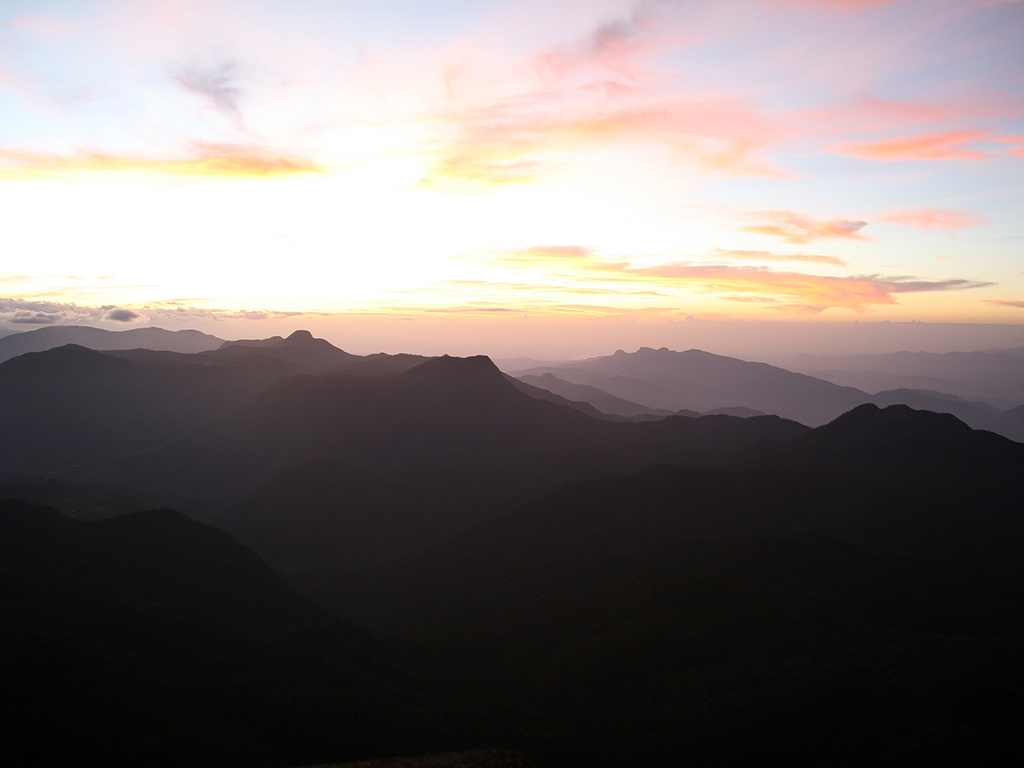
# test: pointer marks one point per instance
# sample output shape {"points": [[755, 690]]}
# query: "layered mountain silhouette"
{"points": [[309, 354], [458, 416], [74, 411], [993, 376], [783, 608], [97, 338], [658, 381], [701, 381], [601, 400], [894, 479], [593, 586]]}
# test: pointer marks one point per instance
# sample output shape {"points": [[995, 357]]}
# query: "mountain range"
{"points": [[994, 376], [42, 339], [652, 382], [393, 555]]}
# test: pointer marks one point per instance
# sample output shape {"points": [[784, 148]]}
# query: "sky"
{"points": [[551, 177]]}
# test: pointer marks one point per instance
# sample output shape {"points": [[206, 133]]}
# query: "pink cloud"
{"points": [[812, 258], [615, 46], [935, 218], [1002, 303], [517, 139], [786, 290], [620, 45], [948, 145], [866, 112], [798, 228], [600, 92]]}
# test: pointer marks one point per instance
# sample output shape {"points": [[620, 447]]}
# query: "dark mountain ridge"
{"points": [[702, 381], [155, 555], [41, 339], [73, 410], [310, 354], [453, 413], [814, 602], [153, 639], [598, 398]]}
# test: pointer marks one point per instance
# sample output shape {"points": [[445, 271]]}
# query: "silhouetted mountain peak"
{"points": [[61, 360], [300, 338], [897, 438], [478, 368], [313, 355], [870, 420]]}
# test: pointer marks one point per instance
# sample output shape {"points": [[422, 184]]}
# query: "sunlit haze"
{"points": [[553, 178]]}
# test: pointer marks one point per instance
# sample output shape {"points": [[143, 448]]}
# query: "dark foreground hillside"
{"points": [[476, 758], [150, 639], [850, 597]]}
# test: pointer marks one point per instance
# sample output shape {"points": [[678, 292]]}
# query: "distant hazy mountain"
{"points": [[700, 381], [312, 355], [1011, 423], [543, 393], [97, 338], [996, 375], [714, 384], [600, 399]]}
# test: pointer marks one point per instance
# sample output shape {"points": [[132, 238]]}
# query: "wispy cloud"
{"points": [[935, 218], [799, 228], [185, 310], [616, 45], [600, 92], [812, 258], [217, 83], [785, 290], [946, 145], [198, 159], [1005, 303], [518, 140]]}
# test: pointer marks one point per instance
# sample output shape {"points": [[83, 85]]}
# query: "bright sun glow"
{"points": [[749, 159]]}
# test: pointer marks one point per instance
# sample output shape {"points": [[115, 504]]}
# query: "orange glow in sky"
{"points": [[744, 159]]}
